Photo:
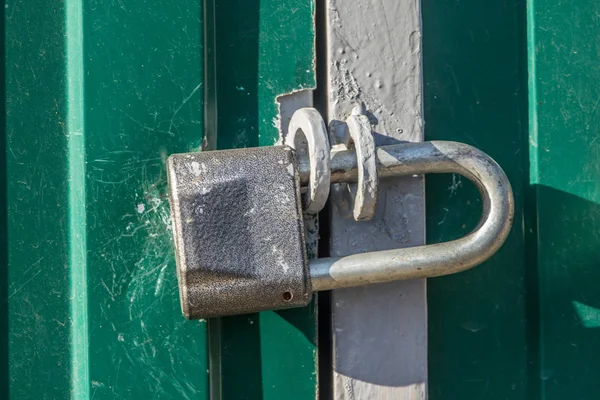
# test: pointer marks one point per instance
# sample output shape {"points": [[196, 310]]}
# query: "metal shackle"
{"points": [[434, 157]]}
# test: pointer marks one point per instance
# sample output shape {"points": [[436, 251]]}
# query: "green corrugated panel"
{"points": [[97, 95], [475, 91], [523, 325], [38, 285], [262, 50], [564, 150]]}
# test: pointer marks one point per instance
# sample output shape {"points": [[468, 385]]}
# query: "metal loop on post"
{"points": [[309, 121], [430, 260], [367, 186]]}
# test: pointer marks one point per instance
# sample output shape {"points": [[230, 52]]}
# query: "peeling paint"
{"points": [[387, 89]]}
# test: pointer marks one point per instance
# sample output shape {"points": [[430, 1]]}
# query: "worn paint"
{"points": [[286, 105], [93, 298], [392, 363]]}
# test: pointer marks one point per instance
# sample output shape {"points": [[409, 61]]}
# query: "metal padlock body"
{"points": [[238, 231]]}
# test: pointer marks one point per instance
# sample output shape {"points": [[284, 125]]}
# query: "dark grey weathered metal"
{"points": [[238, 230]]}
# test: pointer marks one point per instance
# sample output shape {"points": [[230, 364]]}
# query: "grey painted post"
{"points": [[379, 331]]}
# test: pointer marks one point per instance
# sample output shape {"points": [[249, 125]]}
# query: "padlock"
{"points": [[238, 229], [238, 217]]}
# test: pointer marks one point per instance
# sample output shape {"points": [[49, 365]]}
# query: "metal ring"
{"points": [[309, 121], [365, 201]]}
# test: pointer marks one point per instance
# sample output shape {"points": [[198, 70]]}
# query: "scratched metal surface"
{"points": [[564, 159], [97, 95], [379, 331]]}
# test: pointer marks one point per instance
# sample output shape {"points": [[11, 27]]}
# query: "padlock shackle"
{"points": [[436, 157]]}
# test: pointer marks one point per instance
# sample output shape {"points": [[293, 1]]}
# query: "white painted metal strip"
{"points": [[379, 331]]}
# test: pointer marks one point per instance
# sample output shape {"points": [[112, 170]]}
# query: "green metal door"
{"points": [[98, 93], [263, 50], [520, 81]]}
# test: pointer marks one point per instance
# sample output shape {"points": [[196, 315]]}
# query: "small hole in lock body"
{"points": [[288, 296]]}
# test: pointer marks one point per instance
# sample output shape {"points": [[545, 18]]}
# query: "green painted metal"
{"points": [[97, 95], [519, 81], [37, 295], [263, 50], [475, 91], [564, 151]]}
